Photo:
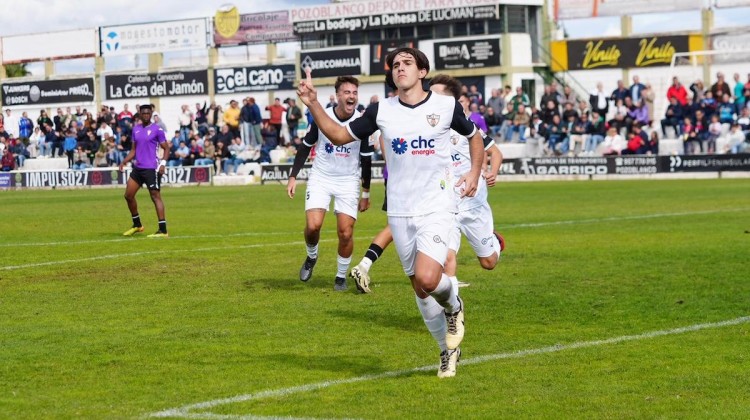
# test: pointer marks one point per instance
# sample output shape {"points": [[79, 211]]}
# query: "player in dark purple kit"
{"points": [[147, 169]]}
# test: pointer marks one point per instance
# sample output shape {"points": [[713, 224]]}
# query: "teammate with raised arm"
{"points": [[334, 175], [416, 126], [147, 169], [474, 218]]}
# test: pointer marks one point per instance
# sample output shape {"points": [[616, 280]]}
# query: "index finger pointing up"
{"points": [[308, 74]]}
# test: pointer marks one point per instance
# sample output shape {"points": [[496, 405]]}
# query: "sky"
{"points": [[34, 16]]}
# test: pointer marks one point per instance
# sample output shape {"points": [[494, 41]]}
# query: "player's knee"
{"points": [[345, 235], [488, 263]]}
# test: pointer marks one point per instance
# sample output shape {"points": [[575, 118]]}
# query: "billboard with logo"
{"points": [[612, 53], [100, 177], [44, 92], [254, 79], [174, 83], [579, 9], [231, 28], [467, 54], [331, 63], [156, 37], [735, 45]]}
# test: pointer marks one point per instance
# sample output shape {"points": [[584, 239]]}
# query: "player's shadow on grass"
{"points": [[390, 320], [356, 364]]}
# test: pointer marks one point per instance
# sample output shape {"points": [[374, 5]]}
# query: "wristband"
{"points": [[365, 194], [163, 162]]}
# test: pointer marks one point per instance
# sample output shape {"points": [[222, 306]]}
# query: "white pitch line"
{"points": [[138, 254], [187, 411], [99, 241]]}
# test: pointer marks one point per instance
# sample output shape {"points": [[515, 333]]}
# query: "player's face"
{"points": [[405, 72], [146, 115], [347, 97]]}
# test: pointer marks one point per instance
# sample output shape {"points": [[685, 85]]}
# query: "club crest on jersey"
{"points": [[433, 119], [454, 139]]}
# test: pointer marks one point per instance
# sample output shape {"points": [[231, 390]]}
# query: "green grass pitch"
{"points": [[581, 319]]}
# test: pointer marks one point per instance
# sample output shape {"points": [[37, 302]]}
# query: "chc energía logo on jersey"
{"points": [[329, 148], [341, 151], [419, 146]]}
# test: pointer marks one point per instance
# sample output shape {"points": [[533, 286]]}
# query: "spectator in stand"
{"points": [[578, 134], [537, 135], [726, 110], [475, 96], [58, 121], [649, 96], [520, 98], [613, 143], [8, 162], [744, 120], [620, 93], [598, 100], [521, 121], [496, 102], [234, 160], [636, 143], [708, 104], [701, 130], [69, 145], [698, 91], [38, 138], [293, 116], [174, 143], [220, 155], [547, 97], [224, 136], [12, 123], [26, 126], [739, 92], [209, 152], [157, 120], [569, 96], [276, 112], [185, 119], [246, 125], [114, 152], [20, 153], [689, 136], [618, 122], [474, 115], [214, 116], [714, 131], [494, 121], [636, 90], [179, 156], [331, 102], [556, 134], [100, 156], [673, 117], [549, 111], [42, 120], [195, 153], [721, 87], [639, 114], [201, 121], [125, 119], [584, 108], [80, 159], [232, 118], [596, 129], [257, 122], [569, 111], [677, 91], [652, 145], [736, 140], [104, 131]]}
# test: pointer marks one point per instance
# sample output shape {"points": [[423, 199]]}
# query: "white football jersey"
{"points": [[333, 161], [461, 164], [417, 149]]}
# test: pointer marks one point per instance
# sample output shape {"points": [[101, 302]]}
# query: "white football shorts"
{"points": [[427, 234], [345, 193]]}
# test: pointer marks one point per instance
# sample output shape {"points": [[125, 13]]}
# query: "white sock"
{"points": [[454, 284], [445, 296], [366, 263], [312, 251], [343, 266], [432, 314]]}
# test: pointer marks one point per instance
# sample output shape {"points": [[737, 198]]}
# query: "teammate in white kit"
{"points": [[416, 126], [335, 174], [474, 218]]}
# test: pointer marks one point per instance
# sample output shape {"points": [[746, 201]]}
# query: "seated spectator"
{"points": [[221, 154], [537, 135], [508, 115], [209, 151], [7, 162], [179, 156], [80, 159], [708, 105], [234, 160], [673, 117], [578, 134], [639, 114], [568, 111], [596, 129], [520, 125], [690, 136], [494, 121], [736, 140], [618, 122], [636, 144], [652, 145], [40, 147], [714, 131], [726, 110], [613, 143], [556, 134], [224, 136], [20, 153], [476, 117], [549, 112]]}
